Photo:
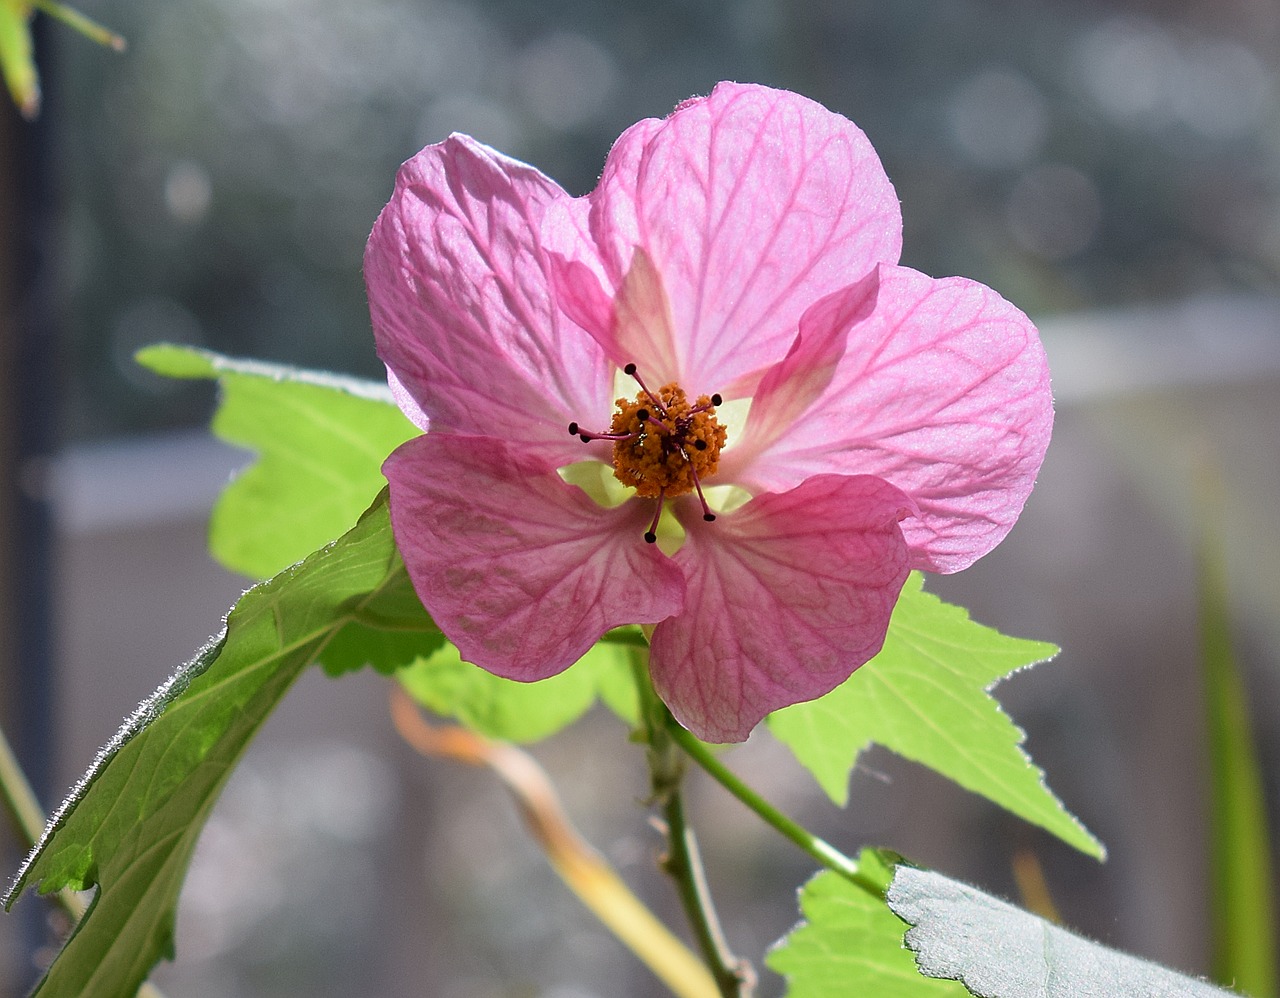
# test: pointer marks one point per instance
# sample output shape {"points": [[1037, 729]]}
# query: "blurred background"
{"points": [[1112, 168]]}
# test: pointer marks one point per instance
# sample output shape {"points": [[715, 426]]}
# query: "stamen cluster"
{"points": [[662, 445], [665, 446]]}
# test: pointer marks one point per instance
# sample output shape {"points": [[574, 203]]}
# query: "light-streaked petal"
{"points": [[575, 228], [796, 382], [522, 571], [943, 391], [462, 308], [407, 403], [785, 597], [752, 204]]}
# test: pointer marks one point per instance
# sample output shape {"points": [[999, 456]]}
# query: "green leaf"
{"points": [[850, 943], [130, 825], [925, 697], [511, 711], [17, 62], [616, 686], [999, 951], [1243, 906], [386, 629], [321, 441]]}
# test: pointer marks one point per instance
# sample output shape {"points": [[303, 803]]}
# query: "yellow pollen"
{"points": [[661, 454]]}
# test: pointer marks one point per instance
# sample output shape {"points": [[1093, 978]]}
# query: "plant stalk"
{"points": [[581, 868], [88, 27], [29, 821], [825, 853], [734, 976]]}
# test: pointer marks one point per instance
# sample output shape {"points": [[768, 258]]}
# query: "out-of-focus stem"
{"points": [[582, 869], [29, 821], [19, 799], [28, 817], [1028, 874], [1242, 900], [85, 25]]}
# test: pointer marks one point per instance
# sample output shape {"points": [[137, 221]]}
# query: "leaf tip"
{"points": [[173, 360]]}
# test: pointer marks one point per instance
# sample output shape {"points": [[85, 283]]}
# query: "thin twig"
{"points": [[582, 869]]}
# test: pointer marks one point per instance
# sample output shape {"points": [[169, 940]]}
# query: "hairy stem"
{"points": [[734, 976], [825, 853]]}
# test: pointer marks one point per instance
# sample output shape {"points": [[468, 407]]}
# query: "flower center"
{"points": [[663, 445]]}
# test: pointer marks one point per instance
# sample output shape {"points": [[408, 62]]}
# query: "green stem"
{"points": [[28, 819], [19, 799], [86, 26], [684, 864], [733, 976], [825, 853]]}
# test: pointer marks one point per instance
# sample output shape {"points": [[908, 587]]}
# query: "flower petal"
{"points": [[943, 391], [785, 597], [792, 385], [462, 308], [407, 403], [752, 204], [632, 318], [520, 570]]}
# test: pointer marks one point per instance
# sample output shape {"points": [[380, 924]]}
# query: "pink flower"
{"points": [[742, 255]]}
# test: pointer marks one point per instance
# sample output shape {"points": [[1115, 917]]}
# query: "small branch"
{"points": [[734, 976], [825, 853], [582, 869]]}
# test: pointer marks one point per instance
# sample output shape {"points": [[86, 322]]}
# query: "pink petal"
{"points": [[785, 597], [520, 570], [581, 275], [407, 403], [792, 385], [944, 392], [752, 204], [461, 303]]}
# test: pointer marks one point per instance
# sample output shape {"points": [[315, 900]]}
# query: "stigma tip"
{"points": [[629, 370], [573, 429], [717, 399], [650, 536]]}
